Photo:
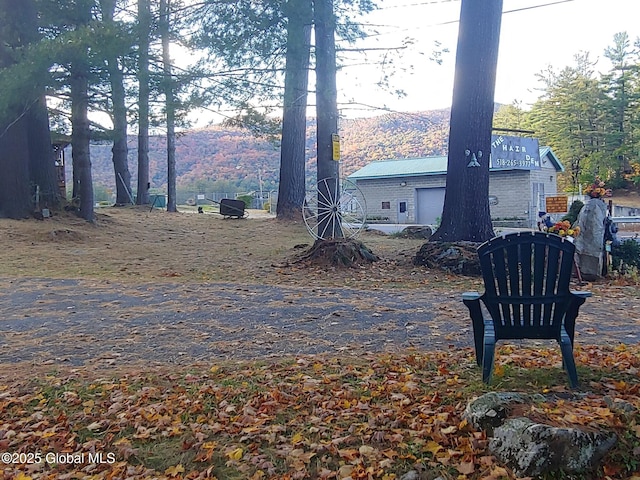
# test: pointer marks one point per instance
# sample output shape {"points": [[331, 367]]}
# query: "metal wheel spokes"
{"points": [[334, 209]]}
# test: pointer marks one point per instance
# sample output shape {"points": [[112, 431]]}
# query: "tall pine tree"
{"points": [[28, 180], [465, 215], [294, 121]]}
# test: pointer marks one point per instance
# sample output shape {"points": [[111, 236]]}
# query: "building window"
{"points": [[386, 205], [403, 207]]}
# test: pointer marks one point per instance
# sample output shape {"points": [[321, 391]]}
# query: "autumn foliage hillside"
{"points": [[230, 154]]}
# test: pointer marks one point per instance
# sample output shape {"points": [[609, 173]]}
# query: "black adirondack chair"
{"points": [[526, 277]]}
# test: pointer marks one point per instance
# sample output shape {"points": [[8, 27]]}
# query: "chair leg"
{"points": [[478, 334], [487, 358], [477, 321], [568, 361]]}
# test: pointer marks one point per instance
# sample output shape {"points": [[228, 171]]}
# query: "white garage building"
{"points": [[411, 191]]}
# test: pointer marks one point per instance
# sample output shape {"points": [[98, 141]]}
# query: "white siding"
{"points": [[513, 190], [379, 192], [546, 176]]}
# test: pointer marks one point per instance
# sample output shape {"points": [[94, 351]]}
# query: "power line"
{"points": [[439, 2], [419, 4], [449, 22]]}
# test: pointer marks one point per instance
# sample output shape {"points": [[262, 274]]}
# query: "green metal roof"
{"points": [[405, 167], [413, 167]]}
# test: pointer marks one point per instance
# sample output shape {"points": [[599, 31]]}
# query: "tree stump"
{"points": [[416, 231], [454, 257], [337, 252]]}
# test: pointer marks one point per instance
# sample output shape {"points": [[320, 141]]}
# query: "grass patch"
{"points": [[203, 248], [161, 454]]}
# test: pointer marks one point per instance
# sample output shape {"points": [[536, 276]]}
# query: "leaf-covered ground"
{"points": [[309, 417], [355, 411]]}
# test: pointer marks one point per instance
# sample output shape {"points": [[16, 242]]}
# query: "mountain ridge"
{"points": [[233, 157]]}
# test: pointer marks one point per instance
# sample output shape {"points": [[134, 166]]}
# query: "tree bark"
{"points": [[80, 129], [466, 203], [170, 108], [80, 138], [42, 156], [144, 25], [15, 198], [120, 150], [26, 154], [291, 190], [327, 118]]}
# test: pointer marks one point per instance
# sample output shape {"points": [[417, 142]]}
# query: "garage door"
{"points": [[430, 202]]}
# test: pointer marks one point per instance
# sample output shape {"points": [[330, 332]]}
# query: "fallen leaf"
{"points": [[466, 468], [94, 426], [235, 454], [433, 447], [174, 471]]}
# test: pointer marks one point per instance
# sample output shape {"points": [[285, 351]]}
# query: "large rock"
{"points": [[590, 242], [491, 409], [531, 449], [454, 257], [417, 231]]}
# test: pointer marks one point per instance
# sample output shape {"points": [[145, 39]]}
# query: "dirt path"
{"points": [[102, 323]]}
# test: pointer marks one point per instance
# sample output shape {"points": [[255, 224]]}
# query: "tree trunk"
{"points": [[42, 156], [466, 203], [144, 25], [15, 198], [291, 188], [26, 154], [120, 150], [327, 118], [170, 108], [80, 138]]}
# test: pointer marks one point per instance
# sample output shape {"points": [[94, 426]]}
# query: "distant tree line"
{"points": [[62, 62], [117, 57], [592, 121]]}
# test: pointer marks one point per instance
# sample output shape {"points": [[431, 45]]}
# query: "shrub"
{"points": [[618, 182], [625, 255], [574, 210], [247, 199]]}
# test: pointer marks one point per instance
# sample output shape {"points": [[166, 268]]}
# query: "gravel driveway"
{"points": [[81, 322]]}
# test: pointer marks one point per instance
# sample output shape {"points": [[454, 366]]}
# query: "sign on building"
{"points": [[557, 204], [514, 153]]}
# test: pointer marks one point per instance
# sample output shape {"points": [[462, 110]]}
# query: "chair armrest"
{"points": [[581, 294], [470, 296]]}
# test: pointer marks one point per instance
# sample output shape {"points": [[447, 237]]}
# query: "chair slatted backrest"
{"points": [[526, 277]]}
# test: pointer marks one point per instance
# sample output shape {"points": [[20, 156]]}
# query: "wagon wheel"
{"points": [[334, 209]]}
